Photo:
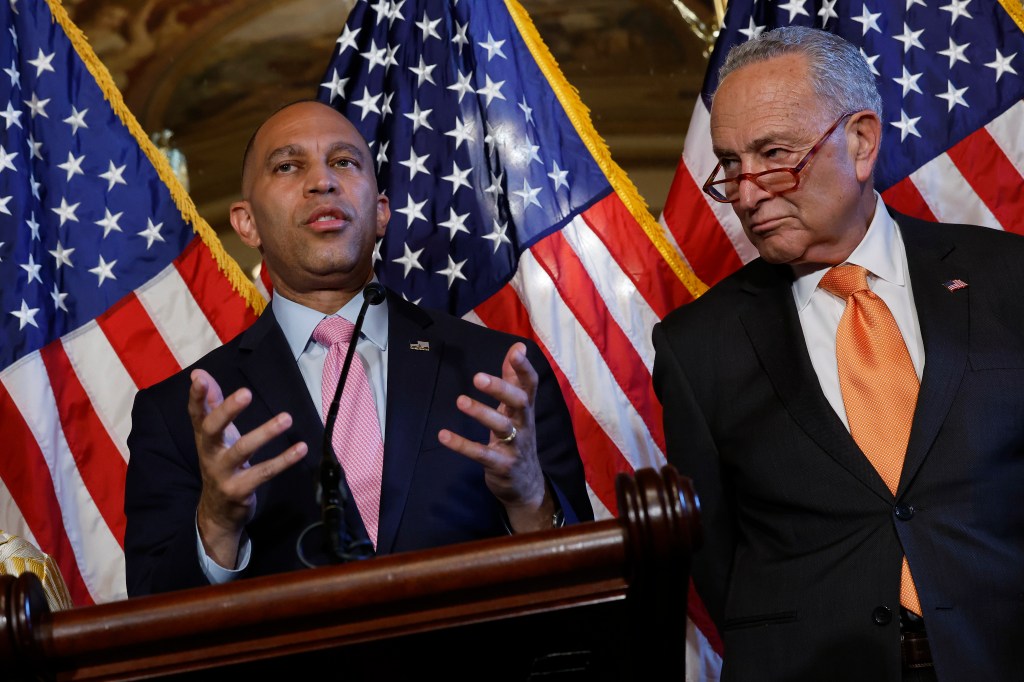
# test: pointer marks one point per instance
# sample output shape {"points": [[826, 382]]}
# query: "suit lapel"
{"points": [[412, 373], [273, 376], [773, 327], [944, 319]]}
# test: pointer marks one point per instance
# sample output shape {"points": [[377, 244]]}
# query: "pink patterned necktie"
{"points": [[356, 438]]}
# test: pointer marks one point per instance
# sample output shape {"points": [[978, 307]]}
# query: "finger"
{"points": [[505, 475], [199, 397], [253, 477], [509, 394], [468, 448], [246, 446], [240, 485], [499, 423], [516, 388], [219, 420], [214, 395], [517, 369], [205, 395]]}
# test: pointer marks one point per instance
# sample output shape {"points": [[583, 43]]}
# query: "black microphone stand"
{"points": [[334, 490]]}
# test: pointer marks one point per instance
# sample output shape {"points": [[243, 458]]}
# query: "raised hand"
{"points": [[512, 469], [228, 498]]}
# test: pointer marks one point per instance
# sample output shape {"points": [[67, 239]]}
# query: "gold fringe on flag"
{"points": [[228, 265], [1015, 8], [580, 117]]}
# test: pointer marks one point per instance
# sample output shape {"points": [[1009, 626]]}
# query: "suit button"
{"points": [[904, 512], [882, 615]]}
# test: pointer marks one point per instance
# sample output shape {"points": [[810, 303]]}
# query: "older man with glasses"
{"points": [[850, 404]]}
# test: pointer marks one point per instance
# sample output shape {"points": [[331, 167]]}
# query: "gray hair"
{"points": [[840, 75]]}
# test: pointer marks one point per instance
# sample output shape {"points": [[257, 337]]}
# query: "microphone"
{"points": [[334, 490]]}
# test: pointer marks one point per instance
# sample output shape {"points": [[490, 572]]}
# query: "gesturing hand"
{"points": [[512, 469], [228, 498]]}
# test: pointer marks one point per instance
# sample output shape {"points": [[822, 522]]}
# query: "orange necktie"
{"points": [[878, 382]]}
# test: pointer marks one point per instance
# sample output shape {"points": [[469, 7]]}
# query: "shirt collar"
{"points": [[298, 322], [879, 252]]}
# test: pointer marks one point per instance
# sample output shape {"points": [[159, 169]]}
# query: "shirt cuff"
{"points": [[214, 572], [557, 519]]}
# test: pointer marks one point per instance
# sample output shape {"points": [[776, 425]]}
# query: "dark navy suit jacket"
{"points": [[801, 564], [430, 495]]}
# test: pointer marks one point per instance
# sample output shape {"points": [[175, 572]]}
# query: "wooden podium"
{"points": [[594, 601]]}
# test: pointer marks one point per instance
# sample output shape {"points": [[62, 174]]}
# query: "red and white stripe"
{"points": [[589, 295], [66, 411], [979, 180]]}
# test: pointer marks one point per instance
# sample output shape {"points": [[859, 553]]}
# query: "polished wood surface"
{"points": [[595, 601]]}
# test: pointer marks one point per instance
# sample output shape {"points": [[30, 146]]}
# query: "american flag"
{"points": [[951, 74], [109, 282], [508, 210]]}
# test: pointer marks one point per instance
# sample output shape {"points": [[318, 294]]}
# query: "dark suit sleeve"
{"points": [[556, 443], [161, 493], [692, 450]]}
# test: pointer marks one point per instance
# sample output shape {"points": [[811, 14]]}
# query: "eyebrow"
{"points": [[759, 143], [353, 149], [298, 150]]}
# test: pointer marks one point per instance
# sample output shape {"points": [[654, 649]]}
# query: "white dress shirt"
{"points": [[882, 253], [298, 322]]}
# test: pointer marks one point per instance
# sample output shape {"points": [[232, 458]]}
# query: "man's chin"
{"points": [[774, 250]]}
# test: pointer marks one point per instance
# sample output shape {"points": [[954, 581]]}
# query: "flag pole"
{"points": [[720, 12], [697, 25]]}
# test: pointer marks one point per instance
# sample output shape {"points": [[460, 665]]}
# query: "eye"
{"points": [[780, 157], [284, 167], [728, 163], [344, 163]]}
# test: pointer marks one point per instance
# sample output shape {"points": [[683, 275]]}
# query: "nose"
{"points": [[321, 180], [750, 194]]}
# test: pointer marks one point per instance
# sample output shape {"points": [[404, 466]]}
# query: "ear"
{"points": [[864, 135], [244, 224], [383, 214]]}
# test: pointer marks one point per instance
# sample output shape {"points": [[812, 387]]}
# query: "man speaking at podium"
{"points": [[435, 451]]}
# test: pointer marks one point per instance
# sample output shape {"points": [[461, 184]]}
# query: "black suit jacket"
{"points": [[804, 541], [430, 495]]}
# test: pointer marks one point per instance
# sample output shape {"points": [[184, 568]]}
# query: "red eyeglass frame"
{"points": [[752, 177]]}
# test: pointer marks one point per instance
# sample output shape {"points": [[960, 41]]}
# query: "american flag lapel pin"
{"points": [[420, 345], [955, 284]]}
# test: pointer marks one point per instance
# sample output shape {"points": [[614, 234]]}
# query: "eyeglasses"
{"points": [[775, 180]]}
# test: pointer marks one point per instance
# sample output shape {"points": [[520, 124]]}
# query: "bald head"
{"points": [[300, 107]]}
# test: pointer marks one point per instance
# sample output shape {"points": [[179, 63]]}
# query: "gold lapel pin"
{"points": [[420, 345]]}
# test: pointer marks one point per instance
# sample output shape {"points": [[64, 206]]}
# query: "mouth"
{"points": [[327, 219], [764, 227]]}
